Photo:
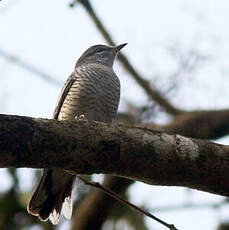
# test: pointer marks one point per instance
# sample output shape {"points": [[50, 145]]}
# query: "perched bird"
{"points": [[92, 90]]}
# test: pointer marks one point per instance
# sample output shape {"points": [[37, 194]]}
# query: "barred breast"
{"points": [[94, 93]]}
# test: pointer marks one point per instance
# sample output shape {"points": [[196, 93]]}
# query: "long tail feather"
{"points": [[53, 192]]}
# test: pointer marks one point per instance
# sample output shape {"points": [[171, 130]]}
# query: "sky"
{"points": [[51, 36]]}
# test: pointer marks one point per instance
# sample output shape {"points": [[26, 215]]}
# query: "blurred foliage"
{"points": [[13, 213]]}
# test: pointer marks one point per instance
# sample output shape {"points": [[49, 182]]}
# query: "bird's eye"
{"points": [[98, 50]]}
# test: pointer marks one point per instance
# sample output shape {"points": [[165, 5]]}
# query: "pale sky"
{"points": [[51, 36]]}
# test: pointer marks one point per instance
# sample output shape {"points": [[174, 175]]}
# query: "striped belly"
{"points": [[96, 99], [79, 101]]}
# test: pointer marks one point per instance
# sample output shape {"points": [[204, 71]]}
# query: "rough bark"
{"points": [[197, 124], [84, 147]]}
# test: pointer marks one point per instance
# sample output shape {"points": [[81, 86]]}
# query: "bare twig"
{"points": [[154, 94], [119, 198], [182, 207], [28, 67]]}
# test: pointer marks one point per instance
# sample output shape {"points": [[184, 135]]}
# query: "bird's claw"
{"points": [[80, 117]]}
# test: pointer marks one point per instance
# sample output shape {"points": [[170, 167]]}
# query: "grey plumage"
{"points": [[92, 90]]}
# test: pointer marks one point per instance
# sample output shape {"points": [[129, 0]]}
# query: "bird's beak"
{"points": [[119, 47]]}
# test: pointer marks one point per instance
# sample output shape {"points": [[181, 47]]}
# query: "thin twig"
{"points": [[119, 198], [182, 207], [29, 67]]}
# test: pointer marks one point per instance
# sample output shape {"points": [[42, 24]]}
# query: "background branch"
{"points": [[95, 200], [208, 124], [122, 200], [29, 67]]}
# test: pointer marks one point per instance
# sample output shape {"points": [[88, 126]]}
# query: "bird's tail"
{"points": [[53, 195]]}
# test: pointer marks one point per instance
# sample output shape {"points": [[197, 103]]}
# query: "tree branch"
{"points": [[197, 124], [29, 67], [84, 147], [208, 124], [122, 200], [98, 204]]}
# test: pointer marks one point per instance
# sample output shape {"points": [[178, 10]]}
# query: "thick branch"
{"points": [[92, 147], [199, 124], [209, 124]]}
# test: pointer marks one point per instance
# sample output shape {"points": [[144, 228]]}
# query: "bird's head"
{"points": [[100, 54]]}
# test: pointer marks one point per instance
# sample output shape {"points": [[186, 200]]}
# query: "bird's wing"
{"points": [[68, 84]]}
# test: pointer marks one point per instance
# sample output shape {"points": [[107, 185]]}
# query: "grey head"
{"points": [[101, 54]]}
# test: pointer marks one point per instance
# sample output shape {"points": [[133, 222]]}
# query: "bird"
{"points": [[91, 91]]}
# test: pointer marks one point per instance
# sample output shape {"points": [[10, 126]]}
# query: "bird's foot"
{"points": [[80, 117]]}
